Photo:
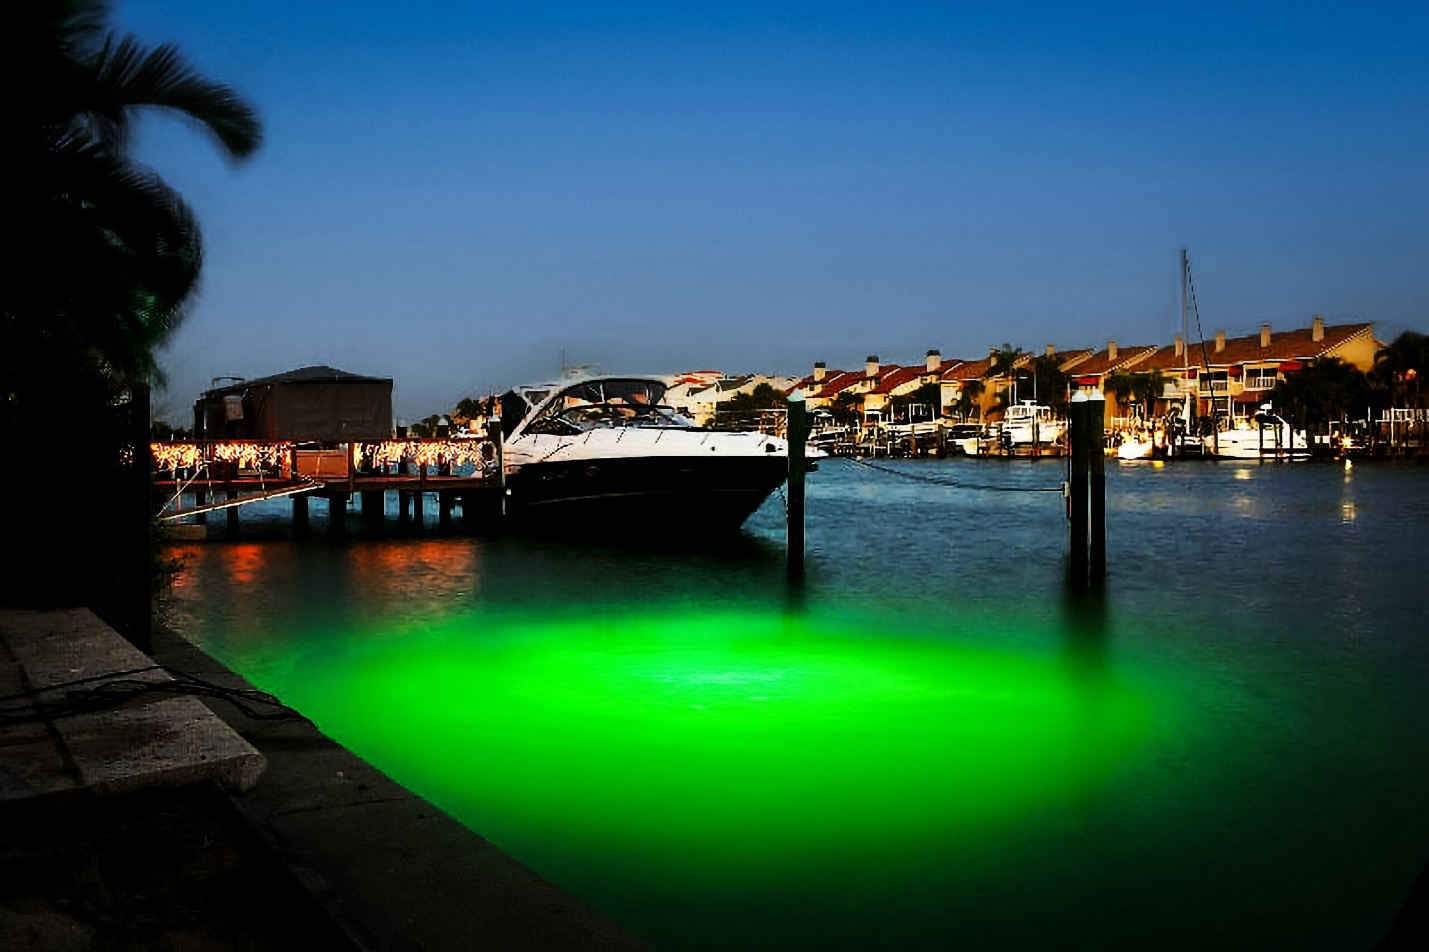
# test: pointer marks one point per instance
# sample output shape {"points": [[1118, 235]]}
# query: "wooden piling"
{"points": [[798, 437], [1080, 415], [300, 515], [231, 495], [374, 506], [1096, 485], [337, 514], [497, 437]]}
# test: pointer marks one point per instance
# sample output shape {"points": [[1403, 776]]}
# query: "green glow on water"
{"points": [[714, 760]]}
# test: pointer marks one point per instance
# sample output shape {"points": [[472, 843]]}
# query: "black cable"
{"points": [[119, 688], [954, 483]]}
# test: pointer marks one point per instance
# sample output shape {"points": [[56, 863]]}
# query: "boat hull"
{"points": [[660, 494]]}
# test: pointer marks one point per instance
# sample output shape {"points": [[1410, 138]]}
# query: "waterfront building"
{"points": [[1233, 376]]}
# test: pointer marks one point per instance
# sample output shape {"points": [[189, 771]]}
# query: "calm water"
{"points": [[932, 746]]}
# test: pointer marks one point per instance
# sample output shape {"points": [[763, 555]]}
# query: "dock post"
{"points": [[444, 510], [798, 433], [231, 495], [497, 437], [1080, 495], [1096, 510], [373, 504], [300, 515], [417, 517], [337, 514]]}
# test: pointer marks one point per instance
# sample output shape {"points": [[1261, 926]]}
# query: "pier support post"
{"points": [[1096, 485], [497, 437], [337, 514], [232, 511], [417, 517], [1080, 438], [798, 436], [300, 515], [372, 511], [444, 510]]}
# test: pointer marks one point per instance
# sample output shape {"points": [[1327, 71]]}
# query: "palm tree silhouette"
{"points": [[105, 252]]}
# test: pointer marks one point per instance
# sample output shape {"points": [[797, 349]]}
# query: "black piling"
{"points": [[1080, 496], [1086, 502], [300, 515], [798, 435], [1096, 486]]}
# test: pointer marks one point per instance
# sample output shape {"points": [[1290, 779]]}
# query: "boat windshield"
{"points": [[605, 403]]}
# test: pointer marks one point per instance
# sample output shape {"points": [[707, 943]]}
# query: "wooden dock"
{"points": [[193, 480]]}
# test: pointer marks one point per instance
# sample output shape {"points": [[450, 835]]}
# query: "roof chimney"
{"points": [[1180, 346], [1265, 335], [1220, 341], [935, 361], [1111, 350], [871, 366], [1051, 349], [1317, 329], [819, 371]]}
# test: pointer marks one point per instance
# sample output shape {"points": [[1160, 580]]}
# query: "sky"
{"points": [[470, 196]]}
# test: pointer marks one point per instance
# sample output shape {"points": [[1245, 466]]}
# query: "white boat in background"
{"points": [[1136, 448], [1031, 424], [607, 451], [1266, 436], [969, 439]]}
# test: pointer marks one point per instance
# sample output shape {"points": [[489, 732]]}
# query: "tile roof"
{"points": [[1101, 363], [966, 369], [838, 382], [897, 377], [1285, 345]]}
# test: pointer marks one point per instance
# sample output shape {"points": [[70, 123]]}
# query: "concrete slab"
{"points": [[153, 740]]}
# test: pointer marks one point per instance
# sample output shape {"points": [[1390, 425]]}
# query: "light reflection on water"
{"points": [[941, 745]]}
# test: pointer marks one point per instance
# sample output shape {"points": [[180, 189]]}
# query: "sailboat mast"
{"points": [[1185, 328]]}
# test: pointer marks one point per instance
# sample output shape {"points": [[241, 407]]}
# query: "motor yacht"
{"points": [[1031, 424], [606, 450], [1265, 436]]}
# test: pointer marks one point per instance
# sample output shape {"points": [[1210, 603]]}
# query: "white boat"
{"points": [[1029, 423], [969, 439], [1136, 448], [1265, 436], [606, 450]]}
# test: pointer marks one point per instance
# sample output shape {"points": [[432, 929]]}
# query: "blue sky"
{"points": [[460, 196]]}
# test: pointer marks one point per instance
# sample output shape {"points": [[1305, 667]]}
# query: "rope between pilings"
{"points": [[953, 483]]}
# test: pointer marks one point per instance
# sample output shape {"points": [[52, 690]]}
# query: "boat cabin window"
{"points": [[602, 403]]}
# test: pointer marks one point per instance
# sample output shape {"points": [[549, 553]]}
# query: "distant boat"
{"points": [[1268, 436], [1136, 448], [1030, 424], [969, 439]]}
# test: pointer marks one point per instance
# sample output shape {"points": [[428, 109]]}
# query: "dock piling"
{"points": [[798, 437], [1096, 485], [1080, 414]]}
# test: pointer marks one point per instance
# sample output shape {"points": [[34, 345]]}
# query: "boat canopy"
{"points": [[606, 401]]}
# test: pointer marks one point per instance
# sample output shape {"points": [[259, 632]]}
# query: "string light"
{"points": [[250, 455]]}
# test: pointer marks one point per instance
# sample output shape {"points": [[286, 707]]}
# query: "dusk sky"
{"points": [[462, 196]]}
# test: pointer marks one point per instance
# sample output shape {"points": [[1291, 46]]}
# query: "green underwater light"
{"points": [[636, 755]]}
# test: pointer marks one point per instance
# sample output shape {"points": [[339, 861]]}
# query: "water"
{"points": [[935, 745]]}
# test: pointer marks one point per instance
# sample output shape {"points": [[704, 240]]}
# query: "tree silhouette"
{"points": [[107, 252], [102, 256]]}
